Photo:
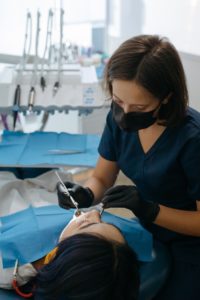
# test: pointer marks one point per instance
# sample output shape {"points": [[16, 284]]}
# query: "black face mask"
{"points": [[132, 121]]}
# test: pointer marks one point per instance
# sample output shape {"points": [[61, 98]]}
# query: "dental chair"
{"points": [[151, 281], [154, 277], [9, 295]]}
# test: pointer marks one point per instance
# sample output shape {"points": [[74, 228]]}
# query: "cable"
{"points": [[15, 285], [20, 293], [47, 45]]}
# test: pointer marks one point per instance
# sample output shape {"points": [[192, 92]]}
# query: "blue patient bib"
{"points": [[30, 234], [137, 237]]}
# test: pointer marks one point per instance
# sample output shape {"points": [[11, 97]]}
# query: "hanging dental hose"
{"points": [[28, 34], [15, 284], [58, 83], [32, 93], [48, 45], [16, 104], [25, 55]]}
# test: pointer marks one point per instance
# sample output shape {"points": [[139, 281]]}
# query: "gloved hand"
{"points": [[83, 196], [127, 196]]}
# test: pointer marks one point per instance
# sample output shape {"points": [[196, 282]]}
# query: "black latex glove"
{"points": [[127, 196], [83, 196]]}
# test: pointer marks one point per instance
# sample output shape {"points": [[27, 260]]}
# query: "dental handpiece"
{"points": [[66, 191], [31, 100]]}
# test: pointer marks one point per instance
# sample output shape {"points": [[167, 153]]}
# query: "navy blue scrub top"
{"points": [[169, 173]]}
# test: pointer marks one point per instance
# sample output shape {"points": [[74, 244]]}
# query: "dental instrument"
{"points": [[99, 207], [16, 104], [28, 33], [32, 93], [65, 151], [31, 99], [26, 52], [57, 84], [66, 191], [48, 44]]}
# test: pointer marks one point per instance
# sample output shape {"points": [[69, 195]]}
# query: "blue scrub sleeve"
{"points": [[190, 161], [107, 146]]}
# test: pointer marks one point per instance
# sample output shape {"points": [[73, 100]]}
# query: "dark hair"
{"points": [[154, 63], [88, 267]]}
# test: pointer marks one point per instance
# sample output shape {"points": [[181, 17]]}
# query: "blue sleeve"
{"points": [[190, 161], [107, 147]]}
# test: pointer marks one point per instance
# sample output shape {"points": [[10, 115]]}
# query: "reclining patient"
{"points": [[93, 257]]}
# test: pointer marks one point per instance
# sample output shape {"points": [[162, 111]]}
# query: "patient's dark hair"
{"points": [[88, 267]]}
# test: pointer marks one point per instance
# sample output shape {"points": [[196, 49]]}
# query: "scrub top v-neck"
{"points": [[168, 173], [155, 144]]}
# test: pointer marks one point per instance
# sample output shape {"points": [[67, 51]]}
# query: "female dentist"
{"points": [[153, 137]]}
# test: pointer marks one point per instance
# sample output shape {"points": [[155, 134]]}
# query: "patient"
{"points": [[95, 258], [92, 261]]}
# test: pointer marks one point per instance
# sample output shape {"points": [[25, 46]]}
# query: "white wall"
{"points": [[191, 64], [179, 20], [125, 19]]}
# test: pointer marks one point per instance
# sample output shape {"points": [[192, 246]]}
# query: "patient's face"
{"points": [[90, 222]]}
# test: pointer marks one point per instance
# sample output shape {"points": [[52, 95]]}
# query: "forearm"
{"points": [[185, 222], [97, 186], [103, 177]]}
